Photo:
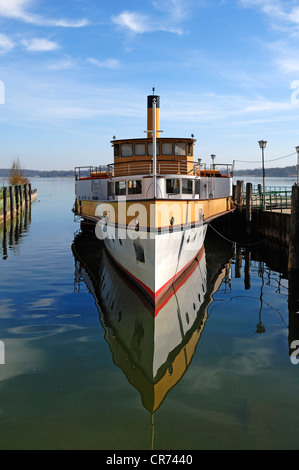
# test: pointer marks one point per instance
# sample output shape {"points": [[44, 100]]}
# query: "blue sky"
{"points": [[73, 73]]}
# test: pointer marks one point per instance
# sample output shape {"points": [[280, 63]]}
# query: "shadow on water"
{"points": [[13, 230], [152, 345]]}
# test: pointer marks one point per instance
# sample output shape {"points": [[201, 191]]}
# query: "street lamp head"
{"points": [[262, 144]]}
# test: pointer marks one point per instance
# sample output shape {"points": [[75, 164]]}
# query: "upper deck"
{"points": [[154, 164], [135, 156]]}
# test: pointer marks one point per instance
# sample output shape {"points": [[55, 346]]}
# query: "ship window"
{"points": [[126, 150], [180, 148], [186, 186], [116, 150], [110, 189], [135, 187], [150, 148], [197, 186], [120, 188], [173, 186], [167, 148], [189, 149], [139, 149]]}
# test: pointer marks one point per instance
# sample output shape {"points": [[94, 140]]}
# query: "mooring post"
{"points": [[293, 261], [30, 192], [25, 195], [17, 197], [247, 279], [12, 201], [239, 192], [238, 263], [248, 207], [4, 203], [293, 302], [4, 241], [21, 196]]}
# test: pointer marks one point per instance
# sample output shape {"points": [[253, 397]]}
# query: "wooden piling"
{"points": [[17, 198], [248, 207], [12, 201], [247, 278], [238, 263], [25, 195], [239, 192], [21, 196], [293, 261], [4, 204]]}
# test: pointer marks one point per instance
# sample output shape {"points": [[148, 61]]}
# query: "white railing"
{"points": [[145, 167]]}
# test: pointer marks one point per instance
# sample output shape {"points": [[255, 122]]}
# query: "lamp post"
{"points": [[213, 159], [262, 144], [297, 150]]}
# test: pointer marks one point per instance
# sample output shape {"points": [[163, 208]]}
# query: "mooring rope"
{"points": [[235, 242]]}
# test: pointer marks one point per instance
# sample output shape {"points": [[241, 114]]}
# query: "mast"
{"points": [[153, 126], [154, 147]]}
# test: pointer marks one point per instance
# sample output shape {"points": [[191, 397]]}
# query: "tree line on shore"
{"points": [[5, 173], [285, 172]]}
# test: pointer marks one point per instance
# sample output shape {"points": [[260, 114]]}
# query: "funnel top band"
{"points": [[150, 101]]}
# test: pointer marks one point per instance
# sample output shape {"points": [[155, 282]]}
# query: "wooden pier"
{"points": [[271, 218], [14, 199]]}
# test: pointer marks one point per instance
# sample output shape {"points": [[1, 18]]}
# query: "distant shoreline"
{"points": [[286, 172], [4, 173]]}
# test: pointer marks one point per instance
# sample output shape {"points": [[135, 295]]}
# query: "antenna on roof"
{"points": [[153, 91]]}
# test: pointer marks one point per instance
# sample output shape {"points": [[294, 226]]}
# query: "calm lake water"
{"points": [[86, 367]]}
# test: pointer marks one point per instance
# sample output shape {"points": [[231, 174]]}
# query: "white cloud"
{"points": [[289, 65], [276, 10], [18, 10], [170, 14], [108, 63], [39, 45], [63, 64], [6, 44], [134, 22]]}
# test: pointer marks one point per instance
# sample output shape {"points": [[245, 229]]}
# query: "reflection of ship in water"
{"points": [[13, 230], [154, 351]]}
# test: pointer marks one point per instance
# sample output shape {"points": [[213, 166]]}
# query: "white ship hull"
{"points": [[153, 345], [154, 261]]}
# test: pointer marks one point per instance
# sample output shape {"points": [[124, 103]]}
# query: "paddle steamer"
{"points": [[152, 206]]}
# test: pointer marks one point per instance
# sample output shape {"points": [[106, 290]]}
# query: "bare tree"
{"points": [[16, 174]]}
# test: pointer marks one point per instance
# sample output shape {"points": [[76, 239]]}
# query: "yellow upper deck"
{"points": [[135, 156]]}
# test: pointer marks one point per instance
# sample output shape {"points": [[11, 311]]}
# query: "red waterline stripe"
{"points": [[148, 291], [182, 278], [155, 297]]}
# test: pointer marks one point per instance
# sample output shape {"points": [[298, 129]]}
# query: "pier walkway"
{"points": [[273, 215]]}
